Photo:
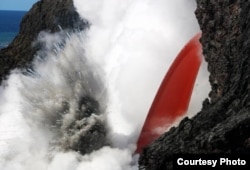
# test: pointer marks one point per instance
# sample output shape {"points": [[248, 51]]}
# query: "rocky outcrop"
{"points": [[45, 15], [223, 125]]}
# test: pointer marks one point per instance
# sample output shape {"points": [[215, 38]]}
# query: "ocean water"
{"points": [[9, 25]]}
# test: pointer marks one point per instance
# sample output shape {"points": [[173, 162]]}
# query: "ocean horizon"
{"points": [[9, 25]]}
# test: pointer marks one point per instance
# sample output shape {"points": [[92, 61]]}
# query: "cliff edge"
{"points": [[223, 124]]}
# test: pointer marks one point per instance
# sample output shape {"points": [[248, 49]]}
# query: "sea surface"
{"points": [[9, 26]]}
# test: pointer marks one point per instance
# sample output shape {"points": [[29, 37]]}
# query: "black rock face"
{"points": [[45, 15], [223, 125]]}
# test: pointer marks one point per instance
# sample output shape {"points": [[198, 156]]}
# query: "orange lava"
{"points": [[173, 96]]}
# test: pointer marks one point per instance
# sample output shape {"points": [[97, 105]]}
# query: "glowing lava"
{"points": [[173, 96]]}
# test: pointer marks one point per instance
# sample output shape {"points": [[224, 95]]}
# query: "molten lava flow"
{"points": [[174, 94]]}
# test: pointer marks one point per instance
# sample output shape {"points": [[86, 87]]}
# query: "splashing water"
{"points": [[101, 81]]}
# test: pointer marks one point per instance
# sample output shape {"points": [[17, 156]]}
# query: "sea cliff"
{"points": [[222, 126]]}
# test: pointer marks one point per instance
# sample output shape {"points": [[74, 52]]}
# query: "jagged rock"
{"points": [[45, 15], [223, 125]]}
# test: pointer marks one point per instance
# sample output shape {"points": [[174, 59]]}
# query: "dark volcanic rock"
{"points": [[223, 125], [45, 15]]}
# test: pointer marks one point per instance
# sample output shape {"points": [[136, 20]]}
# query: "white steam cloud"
{"points": [[137, 41], [120, 62]]}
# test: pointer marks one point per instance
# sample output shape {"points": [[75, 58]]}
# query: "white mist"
{"points": [[127, 51]]}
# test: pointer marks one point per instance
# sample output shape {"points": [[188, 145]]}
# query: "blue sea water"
{"points": [[9, 25]]}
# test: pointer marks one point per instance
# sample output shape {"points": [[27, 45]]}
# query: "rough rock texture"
{"points": [[45, 15], [223, 125]]}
